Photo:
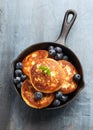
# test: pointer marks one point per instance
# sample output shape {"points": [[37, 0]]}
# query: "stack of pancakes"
{"points": [[60, 78]]}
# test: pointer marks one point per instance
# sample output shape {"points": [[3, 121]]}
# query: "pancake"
{"points": [[68, 85], [30, 60], [27, 92], [44, 82]]}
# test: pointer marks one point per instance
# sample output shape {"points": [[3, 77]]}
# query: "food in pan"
{"points": [[28, 95], [43, 81], [46, 77], [30, 60], [69, 85], [57, 53], [19, 76]]}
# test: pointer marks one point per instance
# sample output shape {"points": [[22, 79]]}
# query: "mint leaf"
{"points": [[48, 72], [45, 70], [42, 67]]}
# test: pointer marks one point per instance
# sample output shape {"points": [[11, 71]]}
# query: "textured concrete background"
{"points": [[24, 22]]}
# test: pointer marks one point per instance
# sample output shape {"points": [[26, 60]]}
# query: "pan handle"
{"points": [[66, 26]]}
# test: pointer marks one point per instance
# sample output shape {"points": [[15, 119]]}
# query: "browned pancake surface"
{"points": [[43, 82], [68, 85], [30, 60], [27, 92]]}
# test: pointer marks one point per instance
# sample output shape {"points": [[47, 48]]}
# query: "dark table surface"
{"points": [[24, 22]]}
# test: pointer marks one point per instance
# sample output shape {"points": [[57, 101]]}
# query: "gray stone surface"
{"points": [[24, 22]]}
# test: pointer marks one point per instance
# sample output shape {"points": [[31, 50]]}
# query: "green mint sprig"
{"points": [[45, 70]]}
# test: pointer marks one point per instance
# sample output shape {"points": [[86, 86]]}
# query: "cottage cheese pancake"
{"points": [[30, 60], [69, 85], [27, 92], [46, 82]]}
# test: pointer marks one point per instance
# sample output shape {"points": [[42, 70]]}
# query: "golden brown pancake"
{"points": [[69, 85], [30, 60], [44, 82], [27, 92]]}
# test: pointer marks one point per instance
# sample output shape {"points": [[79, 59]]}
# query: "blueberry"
{"points": [[51, 48], [77, 77], [63, 98], [17, 80], [19, 65], [23, 77], [65, 57], [56, 102], [19, 85], [59, 56], [18, 72], [52, 52], [38, 95], [58, 49], [58, 94]]}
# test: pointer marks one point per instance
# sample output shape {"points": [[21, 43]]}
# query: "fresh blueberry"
{"points": [[23, 77], [51, 48], [19, 85], [65, 57], [52, 52], [19, 65], [38, 95], [59, 56], [17, 80], [56, 102], [58, 95], [58, 49], [63, 98], [77, 77], [18, 72]]}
